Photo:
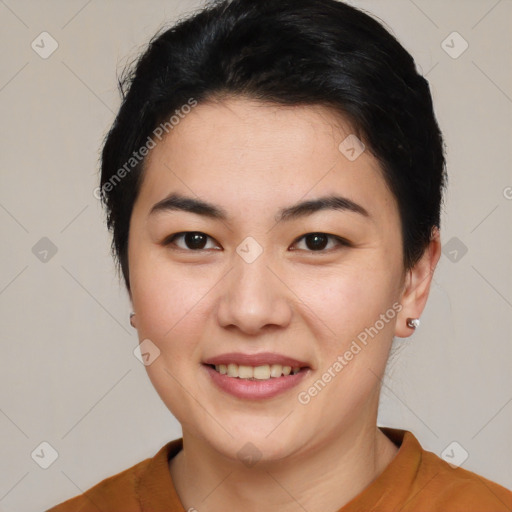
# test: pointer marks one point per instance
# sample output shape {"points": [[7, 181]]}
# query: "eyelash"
{"points": [[340, 241]]}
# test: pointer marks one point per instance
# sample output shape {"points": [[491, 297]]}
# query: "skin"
{"points": [[252, 159]]}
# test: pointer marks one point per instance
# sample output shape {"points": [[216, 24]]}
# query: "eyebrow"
{"points": [[178, 202]]}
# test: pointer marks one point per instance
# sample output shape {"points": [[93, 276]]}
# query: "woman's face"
{"points": [[249, 282]]}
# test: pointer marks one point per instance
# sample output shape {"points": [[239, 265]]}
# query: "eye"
{"points": [[317, 242], [193, 240], [197, 241]]}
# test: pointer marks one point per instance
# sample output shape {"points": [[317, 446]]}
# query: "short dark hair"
{"points": [[289, 52]]}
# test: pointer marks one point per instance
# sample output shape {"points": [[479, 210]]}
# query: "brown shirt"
{"points": [[415, 480]]}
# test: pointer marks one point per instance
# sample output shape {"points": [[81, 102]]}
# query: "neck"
{"points": [[322, 478]]}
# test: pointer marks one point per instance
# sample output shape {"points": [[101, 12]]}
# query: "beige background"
{"points": [[69, 376]]}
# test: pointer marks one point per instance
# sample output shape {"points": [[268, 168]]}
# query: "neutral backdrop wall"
{"points": [[68, 374]]}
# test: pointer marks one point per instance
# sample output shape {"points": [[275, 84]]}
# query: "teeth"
{"points": [[245, 372], [276, 370], [263, 372], [232, 370]]}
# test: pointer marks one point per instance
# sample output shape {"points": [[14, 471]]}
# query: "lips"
{"points": [[253, 376], [254, 360]]}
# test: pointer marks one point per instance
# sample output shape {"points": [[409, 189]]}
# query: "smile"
{"points": [[255, 376], [263, 372]]}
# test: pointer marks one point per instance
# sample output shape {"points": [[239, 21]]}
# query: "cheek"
{"points": [[347, 300], [171, 313], [168, 301]]}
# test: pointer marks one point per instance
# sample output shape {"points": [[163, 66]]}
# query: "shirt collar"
{"points": [[156, 492]]}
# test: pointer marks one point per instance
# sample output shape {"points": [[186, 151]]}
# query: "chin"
{"points": [[251, 451], [257, 442]]}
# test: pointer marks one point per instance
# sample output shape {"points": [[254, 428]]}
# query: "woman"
{"points": [[273, 183]]}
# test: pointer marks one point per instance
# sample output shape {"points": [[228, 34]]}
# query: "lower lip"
{"points": [[254, 389]]}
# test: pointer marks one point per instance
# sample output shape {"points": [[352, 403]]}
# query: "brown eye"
{"points": [[192, 240], [317, 242]]}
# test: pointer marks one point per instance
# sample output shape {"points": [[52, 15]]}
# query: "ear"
{"points": [[133, 321], [417, 285]]}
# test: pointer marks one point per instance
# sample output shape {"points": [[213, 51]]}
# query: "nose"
{"points": [[254, 299]]}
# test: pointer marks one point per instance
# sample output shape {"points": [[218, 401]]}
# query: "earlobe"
{"points": [[132, 320], [417, 287]]}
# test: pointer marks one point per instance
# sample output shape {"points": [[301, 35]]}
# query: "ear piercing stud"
{"points": [[413, 323]]}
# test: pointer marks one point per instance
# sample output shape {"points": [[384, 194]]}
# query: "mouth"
{"points": [[262, 372], [255, 376]]}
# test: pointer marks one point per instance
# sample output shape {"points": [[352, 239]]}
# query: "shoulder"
{"points": [[122, 490], [117, 492], [418, 480], [457, 489], [440, 486]]}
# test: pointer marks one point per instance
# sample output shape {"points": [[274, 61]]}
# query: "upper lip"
{"points": [[255, 359]]}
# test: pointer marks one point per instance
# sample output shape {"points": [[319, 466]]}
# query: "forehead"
{"points": [[246, 128], [244, 152]]}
